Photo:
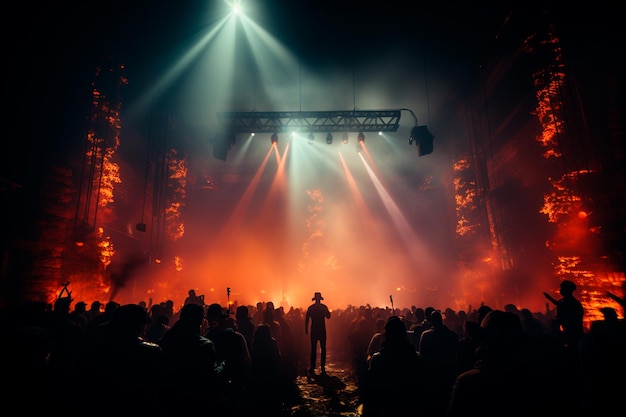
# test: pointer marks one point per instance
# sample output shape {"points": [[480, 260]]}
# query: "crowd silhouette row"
{"points": [[157, 360]]}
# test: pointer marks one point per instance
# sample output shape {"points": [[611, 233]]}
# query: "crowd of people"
{"points": [[157, 359]]}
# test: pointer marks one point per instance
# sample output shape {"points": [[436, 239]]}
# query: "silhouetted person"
{"points": [[377, 338], [129, 370], [67, 342], [257, 315], [168, 309], [231, 349], [452, 321], [359, 339], [191, 361], [193, 298], [481, 312], [157, 328], [287, 344], [467, 346], [245, 323], [500, 383], [568, 333], [416, 329], [301, 340], [270, 319], [393, 381], [569, 314], [79, 315], [426, 321], [94, 310], [97, 327], [438, 349], [603, 357], [317, 313], [531, 325], [266, 360]]}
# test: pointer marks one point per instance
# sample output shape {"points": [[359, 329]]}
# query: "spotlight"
{"points": [[236, 8], [329, 138], [274, 138], [344, 138], [423, 140], [311, 137], [361, 137]]}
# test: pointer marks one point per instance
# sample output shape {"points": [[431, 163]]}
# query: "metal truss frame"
{"points": [[313, 121]]}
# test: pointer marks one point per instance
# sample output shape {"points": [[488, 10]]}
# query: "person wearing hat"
{"points": [[569, 315], [94, 310], [79, 315], [317, 314]]}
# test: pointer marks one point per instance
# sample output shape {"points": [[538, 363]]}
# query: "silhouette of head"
{"points": [[609, 313], [482, 311], [501, 328], [215, 313], [262, 333], [242, 311], [394, 329], [527, 314], [317, 296], [193, 314], [128, 320], [567, 287], [420, 314], [62, 305], [436, 319]]}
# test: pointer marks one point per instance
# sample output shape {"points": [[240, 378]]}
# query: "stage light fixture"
{"points": [[344, 139], [423, 140], [361, 137], [329, 138], [274, 138]]}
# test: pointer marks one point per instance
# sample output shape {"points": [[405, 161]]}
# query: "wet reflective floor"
{"points": [[330, 395]]}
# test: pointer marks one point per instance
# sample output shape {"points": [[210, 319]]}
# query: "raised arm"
{"points": [[549, 297], [621, 301]]}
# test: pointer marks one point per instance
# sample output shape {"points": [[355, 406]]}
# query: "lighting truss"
{"points": [[317, 122], [312, 121]]}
